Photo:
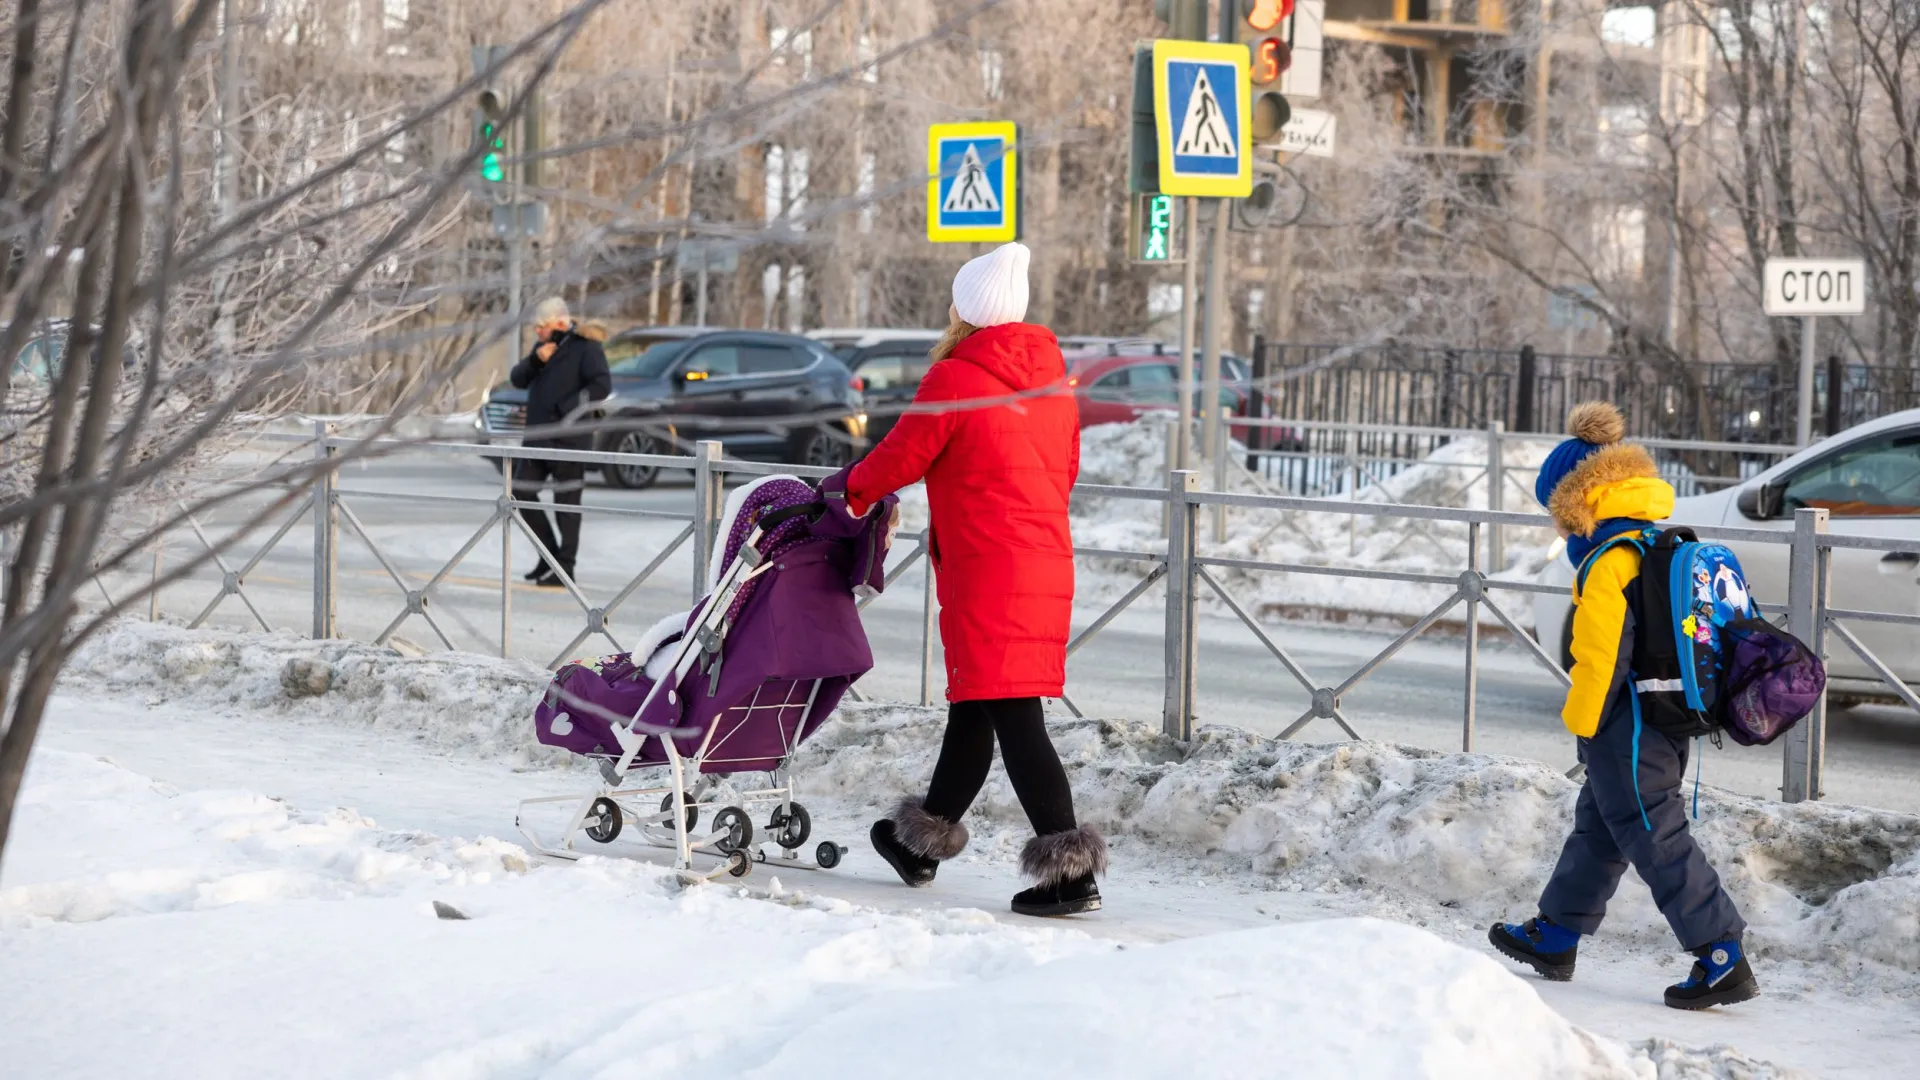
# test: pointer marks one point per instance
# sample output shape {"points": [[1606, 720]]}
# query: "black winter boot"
{"points": [[1062, 865], [1542, 944], [915, 842], [1720, 976]]}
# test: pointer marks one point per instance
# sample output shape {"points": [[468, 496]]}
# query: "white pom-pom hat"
{"points": [[992, 289]]}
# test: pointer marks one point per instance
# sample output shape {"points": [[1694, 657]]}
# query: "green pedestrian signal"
{"points": [[1150, 234], [491, 168]]}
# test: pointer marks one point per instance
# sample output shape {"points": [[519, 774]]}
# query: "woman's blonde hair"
{"points": [[957, 331]]}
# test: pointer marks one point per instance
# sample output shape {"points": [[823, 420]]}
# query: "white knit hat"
{"points": [[992, 289]]}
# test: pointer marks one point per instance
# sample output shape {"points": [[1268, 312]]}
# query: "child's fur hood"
{"points": [[1576, 501]]}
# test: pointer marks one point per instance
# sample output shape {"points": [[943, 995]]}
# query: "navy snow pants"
{"points": [[1609, 833]]}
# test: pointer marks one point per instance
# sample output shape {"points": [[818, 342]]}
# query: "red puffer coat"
{"points": [[998, 478]]}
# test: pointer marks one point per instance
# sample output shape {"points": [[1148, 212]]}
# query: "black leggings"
{"points": [[1033, 766]]}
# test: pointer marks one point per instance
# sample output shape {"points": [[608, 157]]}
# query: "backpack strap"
{"points": [[1640, 540]]}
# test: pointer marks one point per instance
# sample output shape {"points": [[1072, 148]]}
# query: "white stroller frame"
{"points": [[601, 811]]}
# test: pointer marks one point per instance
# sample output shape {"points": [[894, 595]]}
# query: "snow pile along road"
{"points": [[235, 936], [1473, 833], [447, 700], [1132, 455]]}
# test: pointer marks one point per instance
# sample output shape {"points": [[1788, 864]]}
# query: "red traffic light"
{"points": [[1264, 15]]}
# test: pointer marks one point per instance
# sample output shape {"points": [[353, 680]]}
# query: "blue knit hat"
{"points": [[1593, 424]]}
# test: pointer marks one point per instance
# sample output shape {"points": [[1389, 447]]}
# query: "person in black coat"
{"points": [[566, 371]]}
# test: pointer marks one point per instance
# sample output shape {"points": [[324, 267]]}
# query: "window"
{"points": [[641, 357], [716, 361], [1153, 384], [769, 359], [899, 371], [1110, 387], [1877, 478]]}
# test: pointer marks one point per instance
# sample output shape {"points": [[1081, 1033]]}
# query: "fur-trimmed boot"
{"points": [[915, 842], [1062, 866]]}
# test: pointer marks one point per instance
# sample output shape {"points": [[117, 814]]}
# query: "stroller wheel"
{"points": [[603, 822], [735, 829], [738, 865], [693, 812], [790, 830], [827, 854]]}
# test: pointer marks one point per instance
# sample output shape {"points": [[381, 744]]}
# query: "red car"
{"points": [[1121, 389]]}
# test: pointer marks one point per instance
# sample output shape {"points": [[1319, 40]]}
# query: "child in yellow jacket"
{"points": [[1603, 495]]}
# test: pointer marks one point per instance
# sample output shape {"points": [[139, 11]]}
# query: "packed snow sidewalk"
{"points": [[213, 916]]}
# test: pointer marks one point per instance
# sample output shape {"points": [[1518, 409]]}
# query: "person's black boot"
{"points": [[1539, 943], [537, 572], [1720, 976], [1062, 865], [915, 842]]}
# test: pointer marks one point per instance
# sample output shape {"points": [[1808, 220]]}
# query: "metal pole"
{"points": [[507, 514], [709, 503], [1189, 292], [700, 299], [1804, 430], [326, 536], [1213, 315], [1807, 574], [516, 239], [1177, 717], [153, 594], [1470, 583], [1496, 495], [927, 600]]}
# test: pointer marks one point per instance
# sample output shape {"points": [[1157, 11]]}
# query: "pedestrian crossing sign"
{"points": [[1202, 109], [973, 187]]}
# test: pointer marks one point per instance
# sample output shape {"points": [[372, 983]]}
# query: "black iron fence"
{"points": [[1529, 391]]}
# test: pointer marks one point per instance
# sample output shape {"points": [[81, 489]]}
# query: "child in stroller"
{"points": [[733, 686]]}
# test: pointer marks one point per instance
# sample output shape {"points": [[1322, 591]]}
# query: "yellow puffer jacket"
{"points": [[1619, 481]]}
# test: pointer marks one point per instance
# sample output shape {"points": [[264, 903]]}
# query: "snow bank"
{"points": [[608, 967], [1453, 476], [448, 700], [1473, 833]]}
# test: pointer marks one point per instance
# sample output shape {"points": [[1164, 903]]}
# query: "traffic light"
{"points": [[1263, 27], [490, 131], [1143, 150], [1150, 229]]}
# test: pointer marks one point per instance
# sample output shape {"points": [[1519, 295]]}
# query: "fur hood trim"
{"points": [[1576, 502]]}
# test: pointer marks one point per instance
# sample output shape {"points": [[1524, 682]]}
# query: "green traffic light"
{"points": [[491, 170]]}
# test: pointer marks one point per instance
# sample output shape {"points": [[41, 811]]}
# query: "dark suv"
{"points": [[764, 396]]}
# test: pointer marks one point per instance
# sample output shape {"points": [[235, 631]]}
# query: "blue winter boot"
{"points": [[1540, 943], [1720, 977]]}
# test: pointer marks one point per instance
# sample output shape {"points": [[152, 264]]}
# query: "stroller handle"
{"points": [[775, 518]]}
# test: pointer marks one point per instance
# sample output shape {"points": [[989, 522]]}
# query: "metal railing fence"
{"points": [[1186, 569]]}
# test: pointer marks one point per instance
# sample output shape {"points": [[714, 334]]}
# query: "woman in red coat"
{"points": [[996, 435]]}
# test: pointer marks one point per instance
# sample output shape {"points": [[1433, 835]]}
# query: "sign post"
{"points": [[1808, 288], [973, 184]]}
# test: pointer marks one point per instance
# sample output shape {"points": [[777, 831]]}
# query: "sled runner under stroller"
{"points": [[725, 691]]}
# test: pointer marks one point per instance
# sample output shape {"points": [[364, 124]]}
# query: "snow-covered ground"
{"points": [[245, 886]]}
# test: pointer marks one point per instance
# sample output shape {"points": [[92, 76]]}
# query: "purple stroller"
{"points": [[732, 687]]}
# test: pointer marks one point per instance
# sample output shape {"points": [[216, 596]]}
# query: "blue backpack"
{"points": [[1692, 597]]}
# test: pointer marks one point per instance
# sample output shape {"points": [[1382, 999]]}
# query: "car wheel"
{"points": [[1566, 641], [633, 477], [824, 448]]}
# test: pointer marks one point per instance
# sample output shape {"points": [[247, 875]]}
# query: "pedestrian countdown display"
{"points": [[1202, 111], [973, 190]]}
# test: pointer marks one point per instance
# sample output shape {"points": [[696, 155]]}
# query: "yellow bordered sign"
{"points": [[1202, 108], [973, 190]]}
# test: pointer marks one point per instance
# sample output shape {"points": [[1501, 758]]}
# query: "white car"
{"points": [[1868, 478]]}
